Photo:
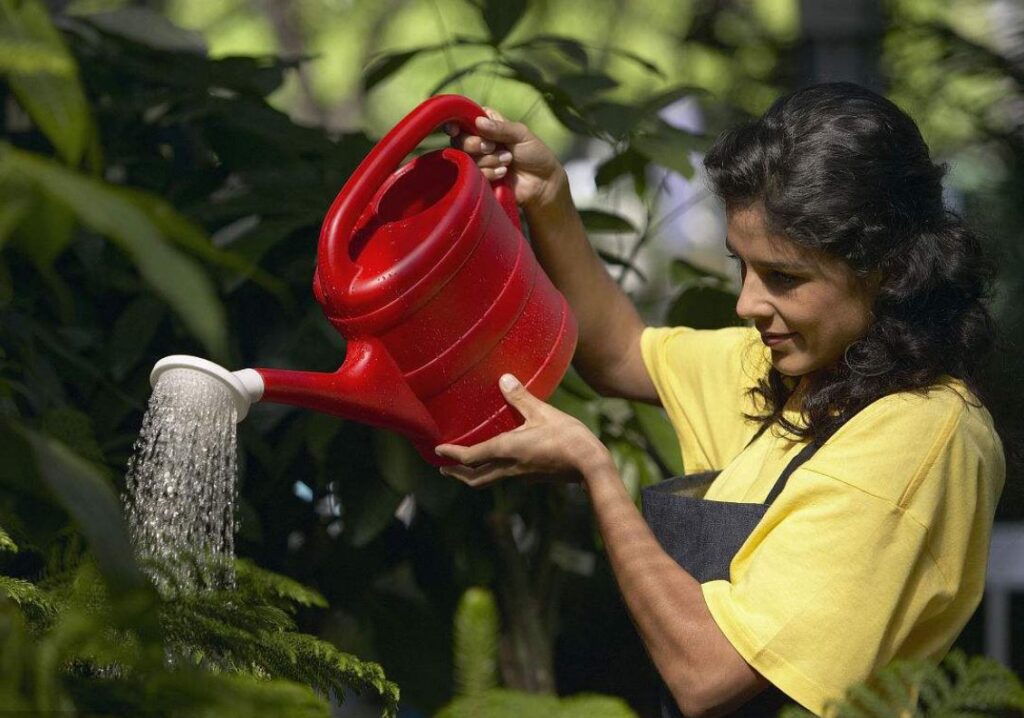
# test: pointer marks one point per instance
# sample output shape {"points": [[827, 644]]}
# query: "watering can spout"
{"points": [[368, 388], [245, 386]]}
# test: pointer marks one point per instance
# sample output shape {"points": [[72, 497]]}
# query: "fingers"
{"points": [[494, 449], [482, 475]]}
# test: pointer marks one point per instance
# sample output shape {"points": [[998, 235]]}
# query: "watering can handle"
{"points": [[378, 166]]}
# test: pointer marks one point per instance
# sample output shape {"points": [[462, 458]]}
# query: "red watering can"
{"points": [[426, 274]]}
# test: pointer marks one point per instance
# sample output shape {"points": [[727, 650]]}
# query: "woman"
{"points": [[842, 476]]}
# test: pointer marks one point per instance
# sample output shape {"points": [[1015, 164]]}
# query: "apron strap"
{"points": [[805, 453]]}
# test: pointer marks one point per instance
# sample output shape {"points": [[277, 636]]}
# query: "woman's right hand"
{"points": [[509, 148]]}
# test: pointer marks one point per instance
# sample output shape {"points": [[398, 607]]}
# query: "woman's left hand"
{"points": [[550, 442]]}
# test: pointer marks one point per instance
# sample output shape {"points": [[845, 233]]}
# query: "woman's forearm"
{"points": [[701, 668], [607, 319]]}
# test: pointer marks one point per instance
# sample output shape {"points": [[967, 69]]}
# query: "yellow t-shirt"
{"points": [[875, 550]]}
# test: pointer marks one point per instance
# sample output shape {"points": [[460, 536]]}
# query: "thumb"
{"points": [[496, 128], [517, 395]]}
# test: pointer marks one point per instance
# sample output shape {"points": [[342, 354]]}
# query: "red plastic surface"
{"points": [[425, 272]]}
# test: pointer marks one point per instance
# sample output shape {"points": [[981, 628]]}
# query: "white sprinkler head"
{"points": [[245, 385]]}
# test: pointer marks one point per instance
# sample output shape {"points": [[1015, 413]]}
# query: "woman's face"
{"points": [[807, 306]]}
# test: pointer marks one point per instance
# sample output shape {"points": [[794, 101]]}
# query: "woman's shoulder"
{"points": [[680, 345], [917, 442]]}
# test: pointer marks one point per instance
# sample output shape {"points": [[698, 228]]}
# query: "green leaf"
{"points": [[55, 102], [669, 147], [585, 410], [370, 505], [132, 332], [16, 200], [458, 75], [641, 61], [175, 277], [148, 27], [87, 496], [684, 272], [45, 231], [629, 162], [618, 261], [400, 464], [703, 307], [501, 16], [572, 49], [597, 222], [574, 383], [584, 86], [384, 66], [662, 437], [189, 235]]}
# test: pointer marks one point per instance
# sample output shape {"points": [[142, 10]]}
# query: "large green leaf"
{"points": [[598, 221], [704, 307], [189, 235], [54, 100], [179, 280], [86, 494], [662, 437]]}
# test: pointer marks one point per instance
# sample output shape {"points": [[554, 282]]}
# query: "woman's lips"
{"points": [[774, 339]]}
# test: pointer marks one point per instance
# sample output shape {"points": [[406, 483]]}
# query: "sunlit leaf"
{"points": [[669, 147], [179, 280], [55, 102]]}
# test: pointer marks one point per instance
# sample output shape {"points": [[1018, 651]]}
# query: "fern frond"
{"points": [[476, 643], [39, 607], [6, 542], [958, 687], [267, 586], [501, 703]]}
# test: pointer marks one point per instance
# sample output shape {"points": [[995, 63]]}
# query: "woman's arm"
{"points": [[701, 668], [608, 352]]}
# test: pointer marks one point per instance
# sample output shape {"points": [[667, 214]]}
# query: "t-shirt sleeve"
{"points": [[817, 601], [875, 549], [703, 378]]}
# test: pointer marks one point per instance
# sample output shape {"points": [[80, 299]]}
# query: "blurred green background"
{"points": [[163, 173]]}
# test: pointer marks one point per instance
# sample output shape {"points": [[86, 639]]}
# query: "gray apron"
{"points": [[703, 536]]}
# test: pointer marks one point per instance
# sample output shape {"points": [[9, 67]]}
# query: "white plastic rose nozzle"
{"points": [[245, 385]]}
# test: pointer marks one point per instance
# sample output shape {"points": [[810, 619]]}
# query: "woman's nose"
{"points": [[751, 303]]}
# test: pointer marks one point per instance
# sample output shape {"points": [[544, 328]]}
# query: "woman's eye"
{"points": [[781, 279]]}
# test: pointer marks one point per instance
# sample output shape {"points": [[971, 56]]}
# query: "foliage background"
{"points": [[164, 169]]}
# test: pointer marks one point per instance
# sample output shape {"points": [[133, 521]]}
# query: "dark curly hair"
{"points": [[840, 169]]}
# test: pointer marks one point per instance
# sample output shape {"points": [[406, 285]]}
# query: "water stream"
{"points": [[182, 484]]}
